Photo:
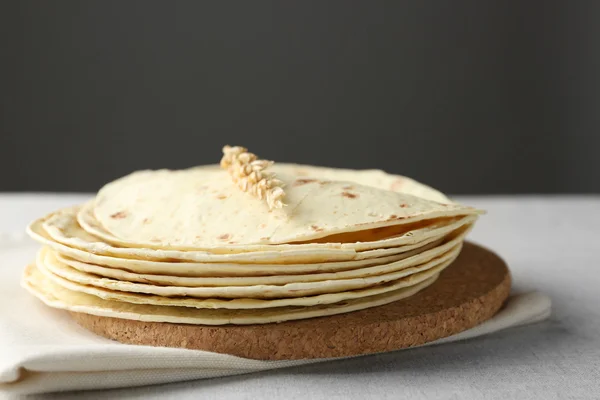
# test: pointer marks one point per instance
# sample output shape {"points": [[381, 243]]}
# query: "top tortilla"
{"points": [[201, 209]]}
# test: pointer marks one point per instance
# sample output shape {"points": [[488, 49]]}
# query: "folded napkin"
{"points": [[43, 350]]}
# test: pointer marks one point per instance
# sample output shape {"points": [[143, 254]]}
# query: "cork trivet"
{"points": [[468, 292]]}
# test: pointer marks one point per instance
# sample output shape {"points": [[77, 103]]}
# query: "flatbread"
{"points": [[373, 239], [373, 178], [407, 259], [191, 269], [368, 177], [240, 303], [190, 247], [359, 241], [78, 280], [197, 210], [57, 296], [62, 227], [243, 274]]}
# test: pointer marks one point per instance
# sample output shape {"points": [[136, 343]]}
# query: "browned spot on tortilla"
{"points": [[198, 237], [403, 205], [316, 228], [262, 226], [264, 238], [323, 183], [349, 195], [397, 184], [146, 220], [303, 181], [119, 215], [221, 197], [225, 236], [232, 242], [392, 217], [348, 187]]}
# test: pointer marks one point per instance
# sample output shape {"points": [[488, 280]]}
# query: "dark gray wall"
{"points": [[469, 96]]}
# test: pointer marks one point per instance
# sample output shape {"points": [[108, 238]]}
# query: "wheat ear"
{"points": [[248, 173]]}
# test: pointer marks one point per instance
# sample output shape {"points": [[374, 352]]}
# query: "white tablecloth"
{"points": [[547, 241]]}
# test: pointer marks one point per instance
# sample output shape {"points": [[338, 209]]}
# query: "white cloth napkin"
{"points": [[42, 350]]}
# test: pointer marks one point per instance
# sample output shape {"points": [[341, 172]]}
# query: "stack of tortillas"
{"points": [[246, 242]]}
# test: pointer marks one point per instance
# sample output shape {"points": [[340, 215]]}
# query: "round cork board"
{"points": [[468, 292]]}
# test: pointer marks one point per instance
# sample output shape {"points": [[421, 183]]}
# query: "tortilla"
{"points": [[276, 263], [370, 239], [89, 283], [57, 296], [241, 303], [192, 247], [407, 259], [62, 227], [190, 269], [243, 273], [368, 177], [197, 210]]}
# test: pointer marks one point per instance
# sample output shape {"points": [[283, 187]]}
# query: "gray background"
{"points": [[469, 96]]}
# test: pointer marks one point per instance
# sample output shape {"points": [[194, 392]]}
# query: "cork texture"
{"points": [[468, 292]]}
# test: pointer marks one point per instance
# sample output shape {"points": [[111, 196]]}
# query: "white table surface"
{"points": [[550, 243]]}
